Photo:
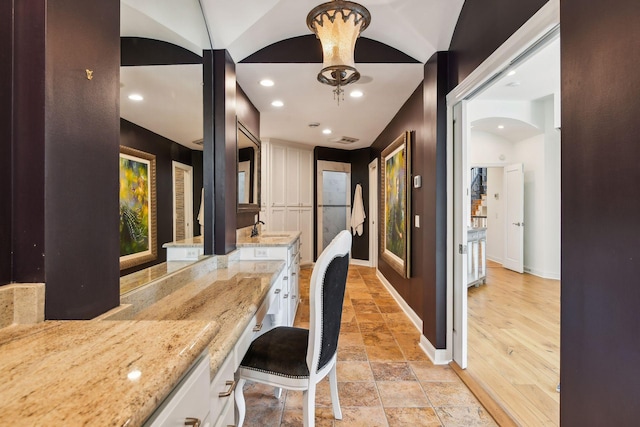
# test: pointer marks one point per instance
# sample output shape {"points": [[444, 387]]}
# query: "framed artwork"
{"points": [[138, 227], [395, 231]]}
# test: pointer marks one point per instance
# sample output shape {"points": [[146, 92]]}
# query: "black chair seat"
{"points": [[281, 351]]}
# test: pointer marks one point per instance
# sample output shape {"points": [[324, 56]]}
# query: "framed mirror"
{"points": [[248, 170]]}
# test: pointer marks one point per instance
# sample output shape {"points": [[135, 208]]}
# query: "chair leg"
{"points": [[239, 398], [309, 406], [335, 399]]}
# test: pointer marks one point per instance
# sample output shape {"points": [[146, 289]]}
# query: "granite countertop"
{"points": [[230, 296], [269, 238], [75, 373], [192, 242]]}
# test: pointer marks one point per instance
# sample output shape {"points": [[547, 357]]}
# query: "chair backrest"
{"points": [[326, 296]]}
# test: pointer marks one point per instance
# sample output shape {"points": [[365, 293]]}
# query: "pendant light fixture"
{"points": [[338, 24]]}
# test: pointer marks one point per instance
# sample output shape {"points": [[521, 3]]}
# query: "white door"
{"points": [[461, 218], [514, 217], [182, 201], [373, 214]]}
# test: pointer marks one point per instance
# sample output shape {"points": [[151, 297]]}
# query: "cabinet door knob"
{"points": [[286, 296], [194, 422], [277, 291]]}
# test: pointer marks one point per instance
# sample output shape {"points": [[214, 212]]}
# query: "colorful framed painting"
{"points": [[138, 227], [395, 232]]}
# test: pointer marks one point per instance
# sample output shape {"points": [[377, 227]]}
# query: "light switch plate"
{"points": [[416, 221], [417, 181]]}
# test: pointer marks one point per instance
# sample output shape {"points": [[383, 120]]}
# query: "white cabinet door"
{"points": [[293, 182], [277, 219], [278, 174], [305, 177]]}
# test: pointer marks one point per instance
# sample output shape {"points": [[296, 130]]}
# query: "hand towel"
{"points": [[357, 212]]}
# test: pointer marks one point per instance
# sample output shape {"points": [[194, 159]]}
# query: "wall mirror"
{"points": [[248, 170], [162, 45]]}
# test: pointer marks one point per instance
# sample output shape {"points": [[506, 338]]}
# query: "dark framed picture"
{"points": [[138, 229], [395, 231]]}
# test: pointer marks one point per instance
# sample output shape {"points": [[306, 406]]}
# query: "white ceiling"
{"points": [[536, 77], [418, 28]]}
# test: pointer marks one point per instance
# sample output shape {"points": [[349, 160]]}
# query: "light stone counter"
{"points": [[191, 242], [268, 238], [230, 296], [77, 373]]}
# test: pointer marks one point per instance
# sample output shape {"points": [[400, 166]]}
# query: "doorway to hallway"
{"points": [[495, 124]]}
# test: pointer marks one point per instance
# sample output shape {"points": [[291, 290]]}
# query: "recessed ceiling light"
{"points": [[266, 82], [327, 131], [500, 126], [136, 97], [356, 94], [511, 73], [277, 103]]}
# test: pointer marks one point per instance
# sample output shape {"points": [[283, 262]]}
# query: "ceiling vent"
{"points": [[344, 140], [199, 141]]}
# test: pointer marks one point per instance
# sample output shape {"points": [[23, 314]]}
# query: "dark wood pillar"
{"points": [[64, 147], [225, 152]]}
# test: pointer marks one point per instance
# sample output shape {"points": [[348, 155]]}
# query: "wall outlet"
{"points": [[260, 253]]}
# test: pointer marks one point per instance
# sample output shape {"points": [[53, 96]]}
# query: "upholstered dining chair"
{"points": [[296, 358]]}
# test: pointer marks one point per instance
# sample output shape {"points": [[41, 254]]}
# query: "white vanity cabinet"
{"points": [[189, 400], [285, 292]]}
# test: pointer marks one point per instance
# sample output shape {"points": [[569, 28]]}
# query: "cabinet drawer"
{"points": [[189, 399], [222, 390]]}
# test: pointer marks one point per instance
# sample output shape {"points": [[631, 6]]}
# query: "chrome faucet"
{"points": [[254, 230]]}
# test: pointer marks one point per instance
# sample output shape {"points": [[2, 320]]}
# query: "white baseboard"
{"points": [[498, 260], [360, 262], [415, 319], [437, 356], [541, 273]]}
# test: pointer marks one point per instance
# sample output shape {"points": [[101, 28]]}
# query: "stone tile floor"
{"points": [[384, 378]]}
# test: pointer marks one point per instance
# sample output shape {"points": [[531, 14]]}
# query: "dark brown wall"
{"points": [[6, 61], [431, 162], [28, 216], [166, 151], [600, 253], [81, 152], [409, 118], [482, 27], [249, 116]]}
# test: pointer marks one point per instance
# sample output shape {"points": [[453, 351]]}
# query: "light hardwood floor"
{"points": [[514, 343]]}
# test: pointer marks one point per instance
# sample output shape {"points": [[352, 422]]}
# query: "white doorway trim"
{"points": [[373, 214], [188, 197], [544, 22]]}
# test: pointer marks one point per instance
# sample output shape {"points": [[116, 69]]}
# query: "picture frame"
{"points": [[138, 210], [395, 230]]}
